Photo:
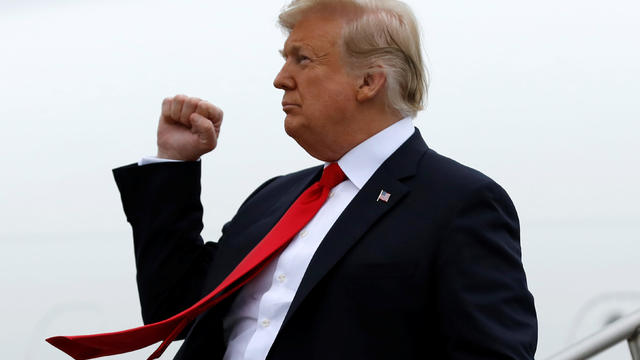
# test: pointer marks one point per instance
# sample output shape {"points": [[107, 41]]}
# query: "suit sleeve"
{"points": [[162, 203], [485, 308]]}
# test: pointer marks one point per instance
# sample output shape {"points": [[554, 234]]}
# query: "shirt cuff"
{"points": [[154, 159]]}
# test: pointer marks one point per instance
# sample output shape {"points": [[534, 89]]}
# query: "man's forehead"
{"points": [[315, 34]]}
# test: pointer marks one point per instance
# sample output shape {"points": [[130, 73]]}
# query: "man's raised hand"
{"points": [[188, 128]]}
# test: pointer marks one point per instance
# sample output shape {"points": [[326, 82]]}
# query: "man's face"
{"points": [[319, 94]]}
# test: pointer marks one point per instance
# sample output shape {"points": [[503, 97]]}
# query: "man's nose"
{"points": [[284, 80]]}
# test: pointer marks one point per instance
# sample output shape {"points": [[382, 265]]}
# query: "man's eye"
{"points": [[303, 59]]}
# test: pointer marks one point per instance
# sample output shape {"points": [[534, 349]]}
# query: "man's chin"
{"points": [[293, 128], [292, 125]]}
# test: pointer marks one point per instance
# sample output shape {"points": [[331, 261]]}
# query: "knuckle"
{"points": [[178, 102], [202, 104], [202, 108], [193, 102]]}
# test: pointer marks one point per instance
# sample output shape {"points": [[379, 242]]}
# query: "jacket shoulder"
{"points": [[286, 181], [262, 198], [454, 174], [457, 183]]}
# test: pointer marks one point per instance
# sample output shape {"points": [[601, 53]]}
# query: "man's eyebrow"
{"points": [[293, 49], [296, 48]]}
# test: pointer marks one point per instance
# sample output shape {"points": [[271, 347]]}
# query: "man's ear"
{"points": [[371, 84]]}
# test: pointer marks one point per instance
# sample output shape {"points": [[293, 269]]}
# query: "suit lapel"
{"points": [[362, 213], [231, 256]]}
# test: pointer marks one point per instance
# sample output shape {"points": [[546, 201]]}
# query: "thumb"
{"points": [[203, 127]]}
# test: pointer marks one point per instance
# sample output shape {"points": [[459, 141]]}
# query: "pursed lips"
{"points": [[288, 106]]}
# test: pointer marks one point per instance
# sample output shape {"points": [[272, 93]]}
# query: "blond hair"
{"points": [[384, 34]]}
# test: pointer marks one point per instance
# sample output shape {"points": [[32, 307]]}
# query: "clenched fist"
{"points": [[188, 128]]}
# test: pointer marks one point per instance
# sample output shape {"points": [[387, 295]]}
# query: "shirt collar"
{"points": [[362, 161]]}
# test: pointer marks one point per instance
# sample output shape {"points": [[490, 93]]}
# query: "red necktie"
{"points": [[297, 216]]}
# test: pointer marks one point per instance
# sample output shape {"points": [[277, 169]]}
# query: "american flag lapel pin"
{"points": [[384, 196]]}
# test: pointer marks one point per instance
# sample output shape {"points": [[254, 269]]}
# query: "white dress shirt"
{"points": [[257, 313]]}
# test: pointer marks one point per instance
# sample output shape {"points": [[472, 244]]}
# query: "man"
{"points": [[412, 256]]}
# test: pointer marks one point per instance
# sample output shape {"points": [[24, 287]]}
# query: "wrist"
{"points": [[167, 155], [170, 155]]}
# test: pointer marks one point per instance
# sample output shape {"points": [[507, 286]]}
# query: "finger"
{"points": [[213, 113], [166, 107], [176, 107], [210, 111], [203, 127], [188, 108]]}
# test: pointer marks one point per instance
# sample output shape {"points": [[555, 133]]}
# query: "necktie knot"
{"points": [[332, 176]]}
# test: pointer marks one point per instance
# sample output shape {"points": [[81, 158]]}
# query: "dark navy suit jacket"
{"points": [[434, 273]]}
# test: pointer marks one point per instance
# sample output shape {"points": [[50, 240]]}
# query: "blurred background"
{"points": [[541, 96]]}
